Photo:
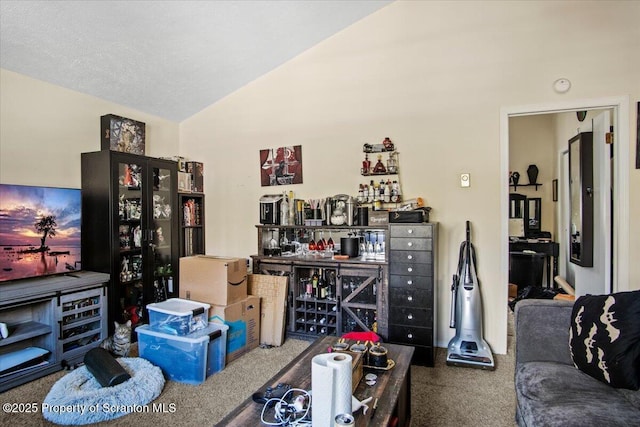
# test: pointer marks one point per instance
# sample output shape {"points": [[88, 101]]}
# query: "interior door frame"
{"points": [[621, 123]]}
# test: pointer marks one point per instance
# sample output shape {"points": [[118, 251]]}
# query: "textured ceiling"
{"points": [[166, 58]]}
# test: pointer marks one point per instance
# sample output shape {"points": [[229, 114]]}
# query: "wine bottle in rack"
{"points": [[314, 283], [322, 286]]}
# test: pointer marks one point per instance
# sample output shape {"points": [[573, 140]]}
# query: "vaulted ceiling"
{"points": [[166, 58]]}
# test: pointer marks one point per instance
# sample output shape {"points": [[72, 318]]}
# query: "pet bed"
{"points": [[78, 398]]}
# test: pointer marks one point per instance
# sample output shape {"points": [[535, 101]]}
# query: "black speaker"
{"points": [[104, 367]]}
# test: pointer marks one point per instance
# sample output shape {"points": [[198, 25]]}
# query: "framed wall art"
{"points": [[122, 134], [281, 166]]}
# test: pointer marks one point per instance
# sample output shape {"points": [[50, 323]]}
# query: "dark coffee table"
{"points": [[393, 388]]}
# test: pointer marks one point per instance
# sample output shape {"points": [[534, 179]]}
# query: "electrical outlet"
{"points": [[465, 180]]}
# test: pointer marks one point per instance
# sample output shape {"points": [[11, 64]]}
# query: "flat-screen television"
{"points": [[39, 231]]}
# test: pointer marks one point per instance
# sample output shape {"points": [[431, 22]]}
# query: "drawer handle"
{"points": [[410, 269], [410, 231], [410, 244], [409, 298], [409, 282], [409, 256], [410, 336], [410, 317]]}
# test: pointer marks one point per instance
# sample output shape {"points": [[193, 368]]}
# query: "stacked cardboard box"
{"points": [[272, 291], [222, 283]]}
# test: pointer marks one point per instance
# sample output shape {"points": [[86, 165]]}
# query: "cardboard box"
{"points": [[243, 319], [272, 291], [214, 280]]}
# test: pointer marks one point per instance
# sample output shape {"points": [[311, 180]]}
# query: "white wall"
{"points": [[432, 76], [44, 128]]}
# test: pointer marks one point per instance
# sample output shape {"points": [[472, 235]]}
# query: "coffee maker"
{"points": [[270, 209]]}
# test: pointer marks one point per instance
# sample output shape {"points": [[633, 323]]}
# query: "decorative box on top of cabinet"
{"points": [[412, 263]]}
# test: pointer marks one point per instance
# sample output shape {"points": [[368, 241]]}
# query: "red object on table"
{"points": [[362, 336]]}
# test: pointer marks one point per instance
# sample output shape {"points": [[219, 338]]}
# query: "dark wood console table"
{"points": [[393, 388], [551, 251]]}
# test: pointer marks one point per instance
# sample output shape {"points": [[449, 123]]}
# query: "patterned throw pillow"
{"points": [[604, 338]]}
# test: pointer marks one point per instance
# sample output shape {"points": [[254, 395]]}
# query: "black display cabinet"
{"points": [[130, 229]]}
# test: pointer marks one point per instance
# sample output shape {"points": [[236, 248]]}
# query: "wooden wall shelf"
{"points": [[515, 186]]}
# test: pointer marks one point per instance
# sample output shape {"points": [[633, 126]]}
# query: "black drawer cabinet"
{"points": [[411, 316], [410, 335], [411, 288], [411, 282], [410, 297]]}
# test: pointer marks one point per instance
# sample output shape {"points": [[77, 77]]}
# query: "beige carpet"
{"points": [[441, 396], [456, 396]]}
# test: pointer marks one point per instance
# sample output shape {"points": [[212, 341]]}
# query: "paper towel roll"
{"points": [[330, 387]]}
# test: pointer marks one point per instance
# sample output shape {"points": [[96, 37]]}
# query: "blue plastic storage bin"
{"points": [[187, 359], [177, 316]]}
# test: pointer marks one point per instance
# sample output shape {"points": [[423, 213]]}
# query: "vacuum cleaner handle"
{"points": [[454, 291]]}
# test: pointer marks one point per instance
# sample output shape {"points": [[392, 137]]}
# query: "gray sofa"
{"points": [[550, 390]]}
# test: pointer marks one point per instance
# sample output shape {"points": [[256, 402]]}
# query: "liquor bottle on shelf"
{"points": [[314, 283], [292, 209], [379, 168], [387, 191], [372, 192], [361, 196], [322, 286], [395, 191], [308, 288], [392, 163], [331, 285], [284, 209], [366, 165]]}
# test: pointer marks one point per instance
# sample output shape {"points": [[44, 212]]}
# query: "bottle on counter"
{"points": [[372, 192], [314, 283], [322, 286], [292, 209], [387, 192], [395, 192]]}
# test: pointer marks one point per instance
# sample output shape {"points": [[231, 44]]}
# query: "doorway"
{"points": [[620, 121]]}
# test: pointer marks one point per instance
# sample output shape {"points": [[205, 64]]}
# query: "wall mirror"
{"points": [[534, 217], [581, 199]]}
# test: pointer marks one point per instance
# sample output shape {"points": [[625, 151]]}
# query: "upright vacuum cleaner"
{"points": [[467, 348]]}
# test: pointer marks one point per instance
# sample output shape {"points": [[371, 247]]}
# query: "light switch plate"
{"points": [[465, 180]]}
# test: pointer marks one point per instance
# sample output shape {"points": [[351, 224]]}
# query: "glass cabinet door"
{"points": [[161, 230], [359, 289], [130, 235]]}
